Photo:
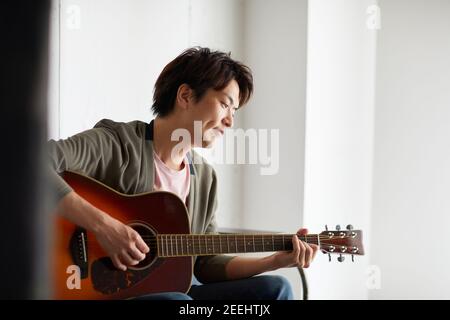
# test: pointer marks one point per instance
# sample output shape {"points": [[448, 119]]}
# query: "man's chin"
{"points": [[207, 144], [208, 141]]}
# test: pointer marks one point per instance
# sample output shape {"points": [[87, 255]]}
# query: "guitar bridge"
{"points": [[79, 252]]}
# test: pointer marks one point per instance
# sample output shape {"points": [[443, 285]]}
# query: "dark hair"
{"points": [[201, 69]]}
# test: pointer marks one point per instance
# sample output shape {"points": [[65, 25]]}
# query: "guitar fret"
{"points": [[283, 241], [273, 244], [167, 247], [181, 243], [188, 245], [220, 244], [212, 238], [228, 244], [173, 247], [203, 244], [245, 245], [235, 243], [158, 252], [184, 244], [254, 249], [159, 245], [262, 240], [166, 253]]}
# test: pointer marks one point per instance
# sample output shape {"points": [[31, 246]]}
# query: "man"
{"points": [[198, 87]]}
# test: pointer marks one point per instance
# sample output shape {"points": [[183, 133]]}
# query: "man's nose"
{"points": [[228, 120]]}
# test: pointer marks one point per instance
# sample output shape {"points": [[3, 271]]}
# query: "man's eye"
{"points": [[224, 105]]}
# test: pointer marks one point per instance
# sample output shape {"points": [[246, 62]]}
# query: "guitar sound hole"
{"points": [[149, 237]]}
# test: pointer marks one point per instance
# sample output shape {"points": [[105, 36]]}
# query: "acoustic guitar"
{"points": [[82, 270]]}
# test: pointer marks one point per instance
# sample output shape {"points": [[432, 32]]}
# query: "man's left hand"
{"points": [[301, 256]]}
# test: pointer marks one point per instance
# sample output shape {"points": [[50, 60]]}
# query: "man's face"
{"points": [[215, 110]]}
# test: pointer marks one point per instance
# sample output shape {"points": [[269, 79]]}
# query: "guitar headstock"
{"points": [[341, 242]]}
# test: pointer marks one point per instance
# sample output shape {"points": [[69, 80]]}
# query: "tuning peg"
{"points": [[326, 227], [349, 227], [341, 258], [338, 227], [353, 258], [329, 257]]}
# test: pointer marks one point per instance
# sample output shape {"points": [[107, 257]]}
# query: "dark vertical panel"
{"points": [[23, 97]]}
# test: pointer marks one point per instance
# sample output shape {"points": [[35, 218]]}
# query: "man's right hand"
{"points": [[122, 243]]}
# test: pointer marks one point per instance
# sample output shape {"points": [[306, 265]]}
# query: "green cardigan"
{"points": [[120, 155]]}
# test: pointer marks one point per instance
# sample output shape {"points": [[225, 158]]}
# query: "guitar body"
{"points": [[82, 270]]}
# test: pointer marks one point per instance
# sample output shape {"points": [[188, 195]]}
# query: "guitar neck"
{"points": [[178, 245]]}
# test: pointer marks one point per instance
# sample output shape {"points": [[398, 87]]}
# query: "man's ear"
{"points": [[184, 96]]}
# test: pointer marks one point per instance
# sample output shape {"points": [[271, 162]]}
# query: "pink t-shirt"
{"points": [[175, 181]]}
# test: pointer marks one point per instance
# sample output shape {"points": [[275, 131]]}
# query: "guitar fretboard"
{"points": [[177, 245]]}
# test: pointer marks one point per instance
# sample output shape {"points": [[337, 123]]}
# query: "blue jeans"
{"points": [[256, 288]]}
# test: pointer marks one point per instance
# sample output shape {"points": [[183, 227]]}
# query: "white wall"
{"points": [[218, 24], [411, 168], [111, 59], [53, 74], [338, 152], [275, 49]]}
